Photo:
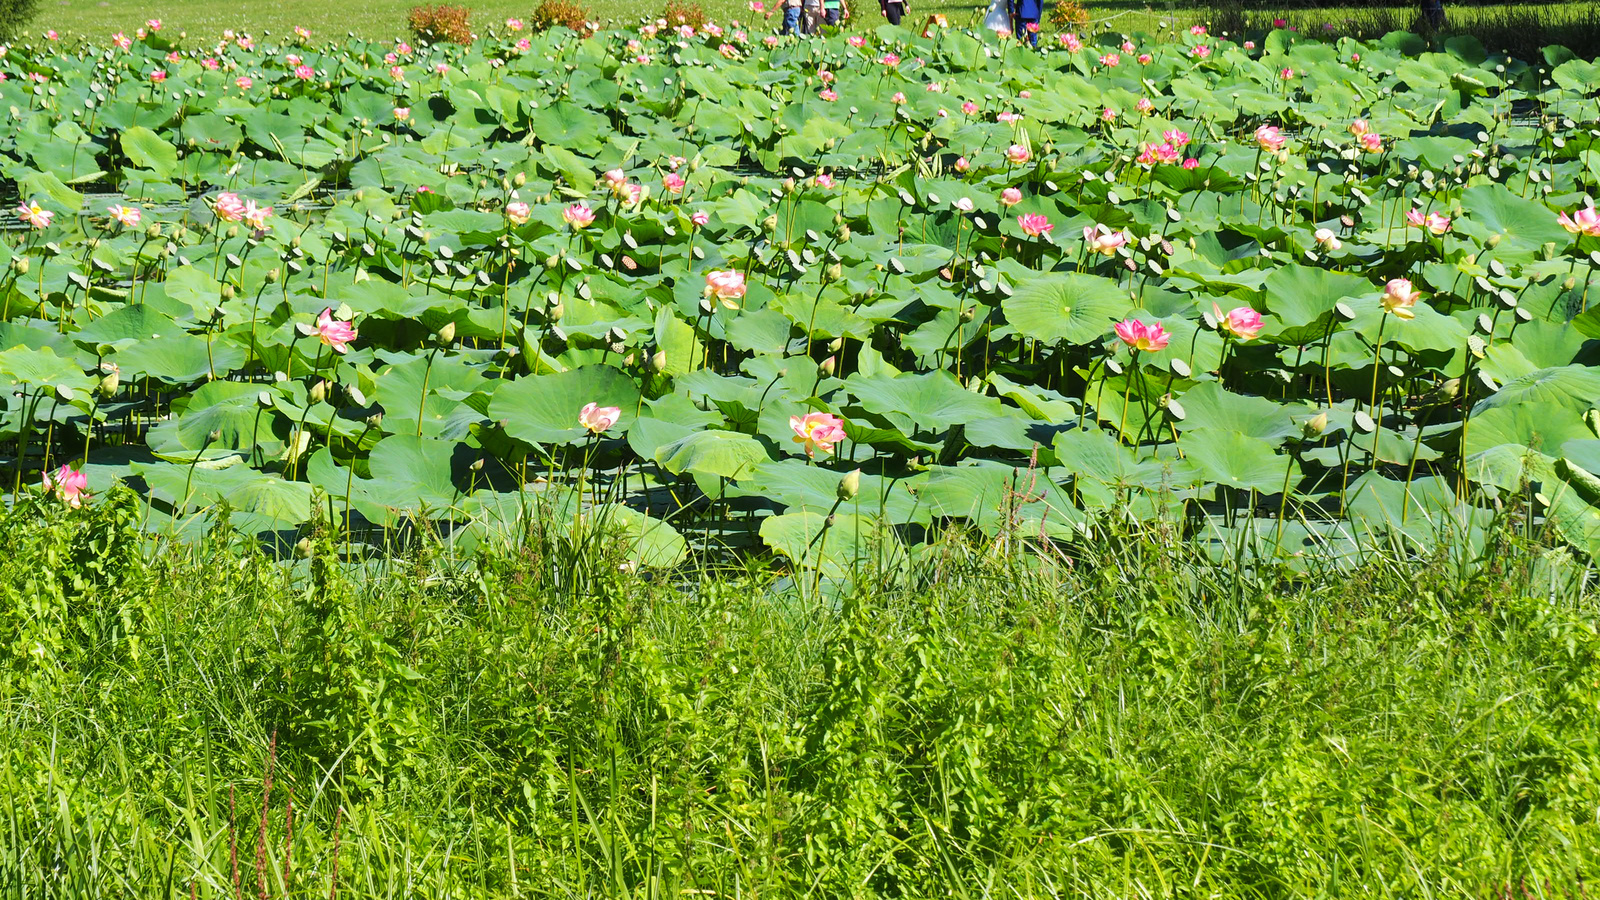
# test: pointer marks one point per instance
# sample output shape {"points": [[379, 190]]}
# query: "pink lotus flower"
{"points": [[210, 64], [700, 217], [1197, 30], [153, 24], [1327, 239], [817, 431], [518, 212], [898, 98], [158, 76], [1070, 41], [1191, 163], [1201, 51], [1110, 60], [1139, 336], [174, 57], [1432, 222], [1399, 298], [1176, 137], [243, 82], [1242, 322], [1144, 105], [514, 24], [1016, 154], [598, 419], [828, 94], [397, 73], [304, 73], [69, 484], [673, 183], [889, 59], [727, 50], [1108, 115], [1146, 59], [523, 45], [857, 41], [1009, 118], [824, 181], [1582, 221], [31, 213], [968, 107], [1010, 196], [825, 76], [1034, 225], [1249, 45], [1127, 47], [121, 41], [334, 333], [256, 216], [1270, 139], [228, 207], [402, 113], [1370, 142], [578, 216], [1286, 74], [726, 286], [964, 204], [126, 216], [1280, 23], [52, 35], [1103, 240], [962, 164], [1359, 127]]}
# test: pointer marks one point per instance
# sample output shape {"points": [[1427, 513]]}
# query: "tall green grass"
{"points": [[1118, 718]]}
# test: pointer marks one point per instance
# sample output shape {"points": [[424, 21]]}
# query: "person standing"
{"points": [[893, 10], [791, 17], [1027, 15], [832, 12]]}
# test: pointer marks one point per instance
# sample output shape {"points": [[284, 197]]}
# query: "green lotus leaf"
{"points": [[1078, 309], [543, 409], [724, 454], [1237, 460]]}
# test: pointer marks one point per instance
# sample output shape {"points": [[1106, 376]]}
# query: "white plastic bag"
{"points": [[998, 18]]}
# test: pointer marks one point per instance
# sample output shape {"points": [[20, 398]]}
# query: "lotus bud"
{"points": [[835, 345], [179, 233], [968, 314], [844, 233], [849, 485], [788, 185], [551, 261], [227, 292], [658, 361], [477, 464], [446, 335], [214, 436], [20, 265], [1314, 426], [154, 231], [375, 420], [519, 179], [303, 548], [1569, 284], [295, 242], [232, 232], [319, 391], [827, 367], [556, 311], [273, 274], [1493, 241], [770, 224], [109, 382], [832, 273]]}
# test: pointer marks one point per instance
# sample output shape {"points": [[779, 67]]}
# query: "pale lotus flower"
{"points": [[817, 431], [1242, 322], [69, 484], [1111, 60], [615, 178], [1017, 154], [31, 213], [1070, 41], [1432, 222], [518, 212], [1010, 196], [598, 419], [825, 76], [1139, 336], [1399, 298], [334, 333], [228, 207], [256, 216], [1103, 240], [1327, 238], [578, 216], [963, 203], [1034, 225], [1144, 106], [1146, 59], [402, 113], [514, 24], [1270, 138], [898, 99], [1176, 137], [1359, 127], [1128, 47], [398, 73], [1370, 142], [726, 286], [1008, 118], [1582, 221], [126, 216]]}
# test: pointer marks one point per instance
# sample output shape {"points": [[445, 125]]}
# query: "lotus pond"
{"points": [[824, 298]]}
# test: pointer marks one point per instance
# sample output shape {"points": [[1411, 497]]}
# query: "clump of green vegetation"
{"points": [[203, 719], [683, 12]]}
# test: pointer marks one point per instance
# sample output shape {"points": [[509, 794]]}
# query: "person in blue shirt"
{"points": [[1028, 13]]}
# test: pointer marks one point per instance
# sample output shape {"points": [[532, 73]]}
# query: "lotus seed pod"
{"points": [[446, 334], [850, 485]]}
